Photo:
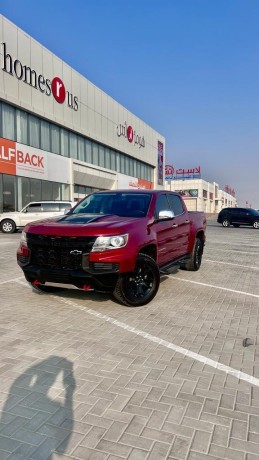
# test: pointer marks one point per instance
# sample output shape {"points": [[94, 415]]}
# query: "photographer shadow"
{"points": [[38, 412]]}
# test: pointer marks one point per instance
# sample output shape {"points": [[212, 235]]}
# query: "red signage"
{"points": [[169, 170], [129, 133], [230, 190], [58, 90]]}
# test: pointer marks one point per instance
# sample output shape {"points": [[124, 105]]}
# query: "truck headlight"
{"points": [[24, 239], [102, 243]]}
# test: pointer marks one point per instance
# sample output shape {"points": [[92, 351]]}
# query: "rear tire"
{"points": [[140, 286], [256, 224], [8, 226], [225, 223], [195, 261]]}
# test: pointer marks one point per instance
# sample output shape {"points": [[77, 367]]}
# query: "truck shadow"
{"points": [[40, 405]]}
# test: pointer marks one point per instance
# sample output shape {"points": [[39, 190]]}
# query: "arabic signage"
{"points": [[29, 76], [172, 173], [133, 182], [125, 130], [230, 190], [21, 160]]}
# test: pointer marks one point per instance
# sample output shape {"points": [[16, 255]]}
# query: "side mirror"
{"points": [[166, 214], [67, 210]]}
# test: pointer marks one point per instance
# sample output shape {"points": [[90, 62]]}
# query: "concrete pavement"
{"points": [[82, 377]]}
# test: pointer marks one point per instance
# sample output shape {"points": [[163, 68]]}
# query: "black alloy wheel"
{"points": [[194, 262], [139, 287]]}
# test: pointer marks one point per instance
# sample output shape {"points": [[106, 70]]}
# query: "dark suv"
{"points": [[238, 216]]}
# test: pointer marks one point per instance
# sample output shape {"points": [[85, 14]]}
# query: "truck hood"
{"points": [[85, 225]]}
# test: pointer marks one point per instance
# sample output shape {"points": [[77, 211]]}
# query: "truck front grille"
{"points": [[54, 252]]}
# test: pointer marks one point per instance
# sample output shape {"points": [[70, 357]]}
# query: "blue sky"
{"points": [[188, 68]]}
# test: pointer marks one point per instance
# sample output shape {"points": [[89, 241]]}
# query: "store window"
{"points": [[95, 153], [46, 190], [64, 142], [22, 126], [35, 190], [56, 191], [113, 160], [34, 131], [88, 151], [73, 145], [45, 135], [101, 156], [9, 194], [81, 148], [55, 139], [25, 187], [8, 122]]}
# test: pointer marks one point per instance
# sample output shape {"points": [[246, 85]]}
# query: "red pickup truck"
{"points": [[118, 241]]}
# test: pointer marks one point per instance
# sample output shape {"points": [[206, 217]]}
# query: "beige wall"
{"points": [[211, 203]]}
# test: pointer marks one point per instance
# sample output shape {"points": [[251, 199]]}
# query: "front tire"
{"points": [[256, 224], [195, 261], [139, 287], [226, 223], [8, 226]]}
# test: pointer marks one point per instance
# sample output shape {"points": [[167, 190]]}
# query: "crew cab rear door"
{"points": [[183, 222]]}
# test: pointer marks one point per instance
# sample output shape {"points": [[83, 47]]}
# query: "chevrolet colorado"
{"points": [[118, 241]]}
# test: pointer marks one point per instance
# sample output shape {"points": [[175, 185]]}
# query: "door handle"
{"points": [[174, 225]]}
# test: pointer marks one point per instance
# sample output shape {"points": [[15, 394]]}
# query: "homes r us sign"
{"points": [[24, 73]]}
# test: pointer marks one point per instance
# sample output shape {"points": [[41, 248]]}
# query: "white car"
{"points": [[36, 210]]}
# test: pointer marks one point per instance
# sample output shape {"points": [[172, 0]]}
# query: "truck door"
{"points": [[182, 220], [167, 231]]}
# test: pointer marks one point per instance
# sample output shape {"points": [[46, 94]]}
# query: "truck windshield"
{"points": [[122, 204]]}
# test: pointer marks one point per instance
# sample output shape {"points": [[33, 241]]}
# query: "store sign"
{"points": [[21, 160], [230, 190], [169, 172], [129, 133], [29, 76], [172, 173], [130, 182], [160, 163]]}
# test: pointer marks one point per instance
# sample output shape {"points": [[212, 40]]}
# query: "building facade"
{"points": [[61, 137], [200, 195]]}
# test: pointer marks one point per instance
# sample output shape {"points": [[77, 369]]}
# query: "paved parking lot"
{"points": [[82, 377]]}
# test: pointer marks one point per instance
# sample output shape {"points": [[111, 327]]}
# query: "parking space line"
{"points": [[183, 351], [229, 263], [233, 251], [16, 280], [215, 287]]}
